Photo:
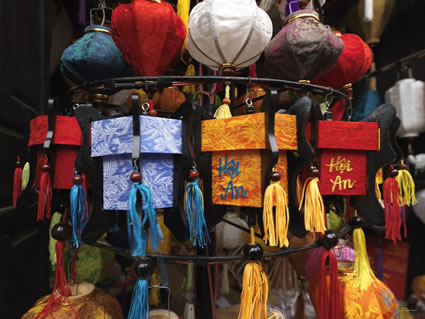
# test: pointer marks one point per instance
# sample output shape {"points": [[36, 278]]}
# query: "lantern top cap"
{"points": [[97, 28], [302, 14]]}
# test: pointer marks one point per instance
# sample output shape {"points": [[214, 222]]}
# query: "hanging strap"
{"points": [[51, 123], [136, 130], [270, 105]]}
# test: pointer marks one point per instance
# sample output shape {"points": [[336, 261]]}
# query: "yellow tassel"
{"points": [[255, 290], [299, 189], [378, 193], [154, 299], [407, 187], [362, 272], [190, 71], [314, 209], [183, 7], [223, 111], [276, 233], [56, 219], [25, 175]]}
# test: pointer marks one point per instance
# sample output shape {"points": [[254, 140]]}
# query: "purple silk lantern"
{"points": [[303, 50]]}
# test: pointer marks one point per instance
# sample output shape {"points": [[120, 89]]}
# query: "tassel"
{"points": [[56, 219], [137, 234], [299, 190], [362, 272], [154, 299], [407, 186], [378, 193], [190, 71], [392, 207], [25, 175], [330, 305], [139, 308], [79, 210], [183, 7], [223, 111], [314, 209], [116, 227], [17, 181], [255, 288], [276, 233], [194, 208], [45, 192]]}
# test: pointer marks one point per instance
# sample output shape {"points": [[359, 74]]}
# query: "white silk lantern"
{"points": [[228, 35], [408, 97]]}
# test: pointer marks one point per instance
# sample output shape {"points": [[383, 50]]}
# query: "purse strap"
{"points": [[51, 123], [135, 111]]}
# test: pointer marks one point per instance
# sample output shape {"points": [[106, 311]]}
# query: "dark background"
{"points": [[27, 80]]}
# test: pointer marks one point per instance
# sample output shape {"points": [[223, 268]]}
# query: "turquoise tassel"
{"points": [[79, 213], [137, 234], [139, 308], [194, 208]]}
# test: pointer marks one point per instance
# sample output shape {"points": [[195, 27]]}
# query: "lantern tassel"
{"points": [[299, 189], [362, 272], [183, 7], [392, 209], [45, 193], [137, 236], [276, 233], [255, 290], [61, 290], [314, 209], [17, 184], [139, 308], [194, 208], [407, 187], [79, 213], [223, 111], [25, 175], [330, 306], [190, 71]]}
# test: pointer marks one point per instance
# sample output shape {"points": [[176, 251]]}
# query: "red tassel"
{"points": [[61, 290], [392, 209], [330, 305], [45, 193], [17, 182]]}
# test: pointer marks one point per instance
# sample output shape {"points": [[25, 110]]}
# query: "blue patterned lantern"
{"points": [[94, 57], [160, 140]]}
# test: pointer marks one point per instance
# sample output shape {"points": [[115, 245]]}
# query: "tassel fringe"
{"points": [[314, 209], [392, 209], [190, 71], [223, 111], [407, 187], [139, 308], [276, 233], [25, 175], [44, 195], [330, 305], [79, 213], [194, 208], [17, 185]]}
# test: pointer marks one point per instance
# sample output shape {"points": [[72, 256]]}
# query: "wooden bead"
{"points": [[45, 167], [315, 172], [77, 180], [402, 166], [143, 267], [18, 163], [228, 71], [226, 101], [136, 177], [253, 252], [330, 240], [61, 231], [393, 172], [275, 176], [193, 174]]}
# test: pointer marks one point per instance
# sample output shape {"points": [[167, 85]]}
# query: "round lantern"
{"points": [[169, 99], [303, 50], [370, 31], [354, 61], [408, 97], [94, 57], [419, 208], [149, 35], [228, 236], [228, 34]]}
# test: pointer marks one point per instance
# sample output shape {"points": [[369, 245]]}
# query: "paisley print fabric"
{"points": [[160, 139]]}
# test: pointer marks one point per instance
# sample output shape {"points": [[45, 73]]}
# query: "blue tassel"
{"points": [[137, 234], [116, 227], [139, 308], [194, 207], [79, 213]]}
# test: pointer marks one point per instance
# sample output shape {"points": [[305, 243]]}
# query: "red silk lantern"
{"points": [[343, 159], [149, 35], [354, 61]]}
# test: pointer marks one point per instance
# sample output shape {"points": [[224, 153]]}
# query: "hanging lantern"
{"points": [[370, 31], [354, 61], [168, 99], [408, 97], [228, 34], [149, 35], [94, 57], [303, 50]]}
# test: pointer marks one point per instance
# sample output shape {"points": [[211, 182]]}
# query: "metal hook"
{"points": [[145, 108]]}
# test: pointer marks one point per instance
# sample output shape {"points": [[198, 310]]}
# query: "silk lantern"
{"points": [[354, 61], [408, 97], [230, 34], [343, 158], [303, 50], [94, 57], [149, 35]]}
